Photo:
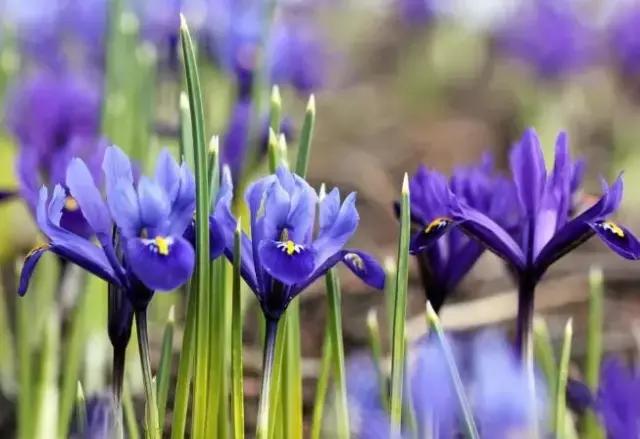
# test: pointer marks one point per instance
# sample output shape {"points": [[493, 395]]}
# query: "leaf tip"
{"points": [[311, 104], [372, 318], [276, 99], [171, 318], [214, 145], [432, 316], [405, 184]]}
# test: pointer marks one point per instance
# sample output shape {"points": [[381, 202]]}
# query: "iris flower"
{"points": [[492, 377], [100, 422], [150, 217], [624, 39], [55, 119], [443, 265], [545, 232], [283, 257]]}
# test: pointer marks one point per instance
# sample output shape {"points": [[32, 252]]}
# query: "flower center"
{"points": [[162, 244], [290, 247], [70, 204], [437, 224], [613, 228]]}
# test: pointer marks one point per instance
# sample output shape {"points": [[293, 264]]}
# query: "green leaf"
{"points": [[275, 113], [322, 385], [434, 321], [545, 357], [201, 276], [561, 387], [376, 353], [335, 330], [152, 422], [163, 376], [306, 136], [236, 341], [130, 414], [591, 427], [399, 313]]}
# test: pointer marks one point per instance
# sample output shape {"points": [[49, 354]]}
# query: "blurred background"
{"points": [[397, 83]]}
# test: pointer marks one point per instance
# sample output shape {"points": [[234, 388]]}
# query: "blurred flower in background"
{"points": [[618, 400], [625, 40]]}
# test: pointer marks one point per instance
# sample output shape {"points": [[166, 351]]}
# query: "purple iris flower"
{"points": [[282, 257], [100, 419], [443, 265], [618, 400], [625, 41], [492, 376], [550, 36], [546, 232], [415, 12], [55, 118], [150, 219]]}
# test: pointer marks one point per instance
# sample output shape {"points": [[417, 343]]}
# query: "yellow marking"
{"points": [[436, 223], [162, 244], [613, 228], [70, 204], [36, 249], [291, 247]]}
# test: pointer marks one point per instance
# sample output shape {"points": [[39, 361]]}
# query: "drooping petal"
{"points": [[529, 172], [426, 237], [30, 262], [337, 234], [461, 262], [365, 267], [83, 189], [162, 263], [617, 238], [288, 262], [489, 233]]}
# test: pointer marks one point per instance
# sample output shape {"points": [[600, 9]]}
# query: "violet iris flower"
{"points": [[492, 376], [443, 265], [100, 420], [550, 36], [55, 118], [150, 218], [625, 41], [282, 258], [545, 232]]}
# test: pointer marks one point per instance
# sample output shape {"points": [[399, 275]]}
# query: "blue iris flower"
{"points": [[283, 256], [150, 216]]}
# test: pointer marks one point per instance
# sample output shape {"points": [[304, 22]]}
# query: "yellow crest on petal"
{"points": [[162, 244]]}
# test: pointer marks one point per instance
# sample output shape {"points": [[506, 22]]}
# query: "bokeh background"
{"points": [[397, 83]]}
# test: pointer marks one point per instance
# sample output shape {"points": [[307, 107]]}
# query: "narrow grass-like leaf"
{"points": [[591, 427], [399, 313], [389, 266], [71, 364], [262, 424], [322, 386], [81, 408], [201, 275], [335, 330], [46, 392], [185, 369], [164, 369], [8, 354], [25, 369], [306, 135], [152, 422], [186, 134], [276, 422], [130, 414], [275, 111], [434, 322], [376, 353], [545, 357], [236, 341], [291, 382], [561, 387], [273, 151]]}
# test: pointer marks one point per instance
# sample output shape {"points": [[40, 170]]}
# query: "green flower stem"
{"points": [[335, 329], [117, 378], [322, 386], [262, 425], [399, 313], [236, 341], [164, 370], [152, 422]]}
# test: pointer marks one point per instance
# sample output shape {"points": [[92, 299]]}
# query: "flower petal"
{"points": [[125, 210], [83, 189], [426, 237], [337, 234], [287, 262], [184, 202], [154, 205], [160, 268], [30, 262], [529, 172], [117, 169], [167, 173], [618, 238], [365, 267], [328, 209]]}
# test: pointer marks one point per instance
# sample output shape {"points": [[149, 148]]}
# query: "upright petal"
{"points": [[124, 207], [328, 209], [184, 202], [117, 168], [529, 172], [163, 263], [154, 204], [83, 189], [167, 173]]}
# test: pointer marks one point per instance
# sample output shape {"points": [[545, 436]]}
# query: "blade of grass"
{"points": [[81, 408], [376, 353], [322, 386], [152, 423], [434, 322], [335, 330], [186, 134], [306, 135], [399, 313], [275, 113], [291, 382], [163, 376], [46, 392], [591, 426], [275, 420], [544, 354], [202, 231], [130, 414], [561, 387], [262, 424], [236, 341]]}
